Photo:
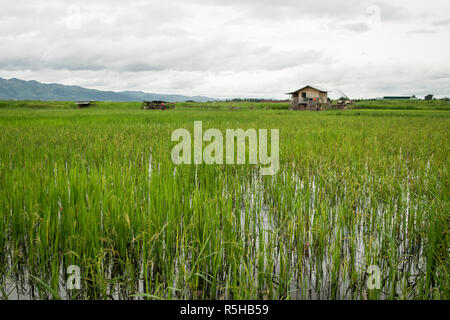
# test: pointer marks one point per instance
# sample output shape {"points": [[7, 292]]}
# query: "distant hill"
{"points": [[16, 89]]}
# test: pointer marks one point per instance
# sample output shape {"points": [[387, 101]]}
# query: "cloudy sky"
{"points": [[230, 48]]}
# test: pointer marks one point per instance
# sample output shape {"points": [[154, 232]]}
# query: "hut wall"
{"points": [[310, 93]]}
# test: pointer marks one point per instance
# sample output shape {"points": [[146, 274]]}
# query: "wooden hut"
{"points": [[343, 104], [84, 104], [309, 98], [160, 105]]}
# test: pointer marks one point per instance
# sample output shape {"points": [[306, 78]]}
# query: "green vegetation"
{"points": [[96, 188], [403, 104], [235, 105]]}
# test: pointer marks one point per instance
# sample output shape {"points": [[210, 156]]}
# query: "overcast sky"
{"points": [[233, 48]]}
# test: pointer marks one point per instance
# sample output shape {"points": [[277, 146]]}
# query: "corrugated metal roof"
{"points": [[308, 86]]}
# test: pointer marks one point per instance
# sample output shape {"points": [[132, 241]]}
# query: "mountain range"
{"points": [[16, 89]]}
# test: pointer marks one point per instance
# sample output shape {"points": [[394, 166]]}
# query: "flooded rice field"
{"points": [[92, 207]]}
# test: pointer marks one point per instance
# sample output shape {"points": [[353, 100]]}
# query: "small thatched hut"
{"points": [[84, 104]]}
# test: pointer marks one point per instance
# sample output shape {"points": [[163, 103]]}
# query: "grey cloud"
{"points": [[440, 76], [294, 9], [390, 12], [441, 23], [422, 31], [158, 54], [377, 79], [356, 27], [218, 47]]}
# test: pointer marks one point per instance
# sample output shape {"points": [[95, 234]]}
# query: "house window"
{"points": [[303, 94]]}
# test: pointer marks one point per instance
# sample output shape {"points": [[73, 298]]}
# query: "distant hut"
{"points": [[343, 104], [309, 98], [160, 105], [84, 104]]}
